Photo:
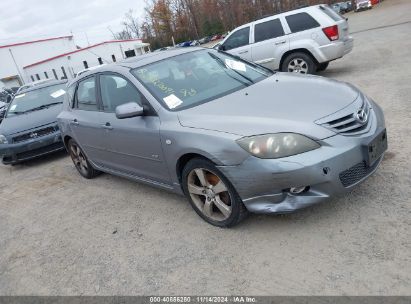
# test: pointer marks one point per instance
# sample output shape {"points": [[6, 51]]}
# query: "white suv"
{"points": [[302, 41]]}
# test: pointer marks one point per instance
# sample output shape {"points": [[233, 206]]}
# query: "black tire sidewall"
{"points": [[312, 66], [237, 206]]}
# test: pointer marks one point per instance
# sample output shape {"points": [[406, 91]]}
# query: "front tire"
{"points": [[80, 160], [299, 62], [211, 194]]}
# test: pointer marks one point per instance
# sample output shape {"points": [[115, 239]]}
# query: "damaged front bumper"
{"points": [[265, 185]]}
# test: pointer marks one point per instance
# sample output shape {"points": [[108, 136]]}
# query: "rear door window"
{"points": [[86, 95], [268, 30], [238, 39], [301, 22]]}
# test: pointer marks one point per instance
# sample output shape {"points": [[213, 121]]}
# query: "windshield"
{"points": [[37, 99], [197, 77]]}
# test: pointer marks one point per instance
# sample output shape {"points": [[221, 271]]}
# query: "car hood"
{"points": [[284, 102], [20, 123]]}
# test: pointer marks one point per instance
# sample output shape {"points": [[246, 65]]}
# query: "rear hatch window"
{"points": [[331, 13]]}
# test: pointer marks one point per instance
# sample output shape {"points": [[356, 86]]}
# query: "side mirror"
{"points": [[221, 47], [129, 110]]}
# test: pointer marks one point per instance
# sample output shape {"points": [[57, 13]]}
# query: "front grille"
{"points": [[349, 124], [34, 134], [356, 173]]}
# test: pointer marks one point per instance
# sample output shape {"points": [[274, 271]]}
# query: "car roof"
{"points": [[44, 85], [138, 61]]}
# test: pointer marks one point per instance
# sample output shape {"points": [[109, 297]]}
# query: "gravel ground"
{"points": [[64, 235]]}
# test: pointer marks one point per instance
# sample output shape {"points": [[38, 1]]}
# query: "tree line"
{"points": [[184, 20]]}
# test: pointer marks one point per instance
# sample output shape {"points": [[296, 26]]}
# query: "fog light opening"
{"points": [[299, 190]]}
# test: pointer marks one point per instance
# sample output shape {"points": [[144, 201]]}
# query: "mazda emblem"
{"points": [[361, 116]]}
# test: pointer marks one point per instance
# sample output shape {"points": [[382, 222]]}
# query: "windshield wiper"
{"points": [[222, 63], [43, 107]]}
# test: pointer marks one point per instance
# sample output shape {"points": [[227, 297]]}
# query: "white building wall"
{"points": [[31, 52], [73, 63]]}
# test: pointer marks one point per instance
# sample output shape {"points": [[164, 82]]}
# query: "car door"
{"points": [[85, 121], [270, 43], [238, 43], [134, 143]]}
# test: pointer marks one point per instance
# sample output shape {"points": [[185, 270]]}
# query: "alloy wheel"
{"points": [[209, 194], [78, 158], [298, 65]]}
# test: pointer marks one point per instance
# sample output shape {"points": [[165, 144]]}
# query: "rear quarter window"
{"points": [[301, 22]]}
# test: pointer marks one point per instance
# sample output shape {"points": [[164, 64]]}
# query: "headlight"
{"points": [[277, 145], [3, 139]]}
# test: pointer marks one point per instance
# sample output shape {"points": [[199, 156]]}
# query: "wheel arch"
{"points": [[185, 158], [300, 50]]}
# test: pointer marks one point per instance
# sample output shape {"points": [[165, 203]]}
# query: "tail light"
{"points": [[331, 32]]}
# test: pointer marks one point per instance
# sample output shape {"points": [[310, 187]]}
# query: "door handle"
{"points": [[75, 122], [280, 42], [107, 126], [243, 52]]}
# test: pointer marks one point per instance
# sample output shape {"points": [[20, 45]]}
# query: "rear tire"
{"points": [[299, 62], [80, 160], [211, 194], [322, 66]]}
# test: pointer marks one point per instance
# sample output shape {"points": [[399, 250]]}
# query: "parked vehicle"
{"points": [[29, 128], [6, 95], [229, 134], [3, 109], [349, 6], [205, 40], [362, 5], [337, 8], [185, 44], [343, 7], [216, 37], [33, 84], [301, 41], [195, 43]]}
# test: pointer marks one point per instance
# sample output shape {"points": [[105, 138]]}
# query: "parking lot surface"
{"points": [[63, 235]]}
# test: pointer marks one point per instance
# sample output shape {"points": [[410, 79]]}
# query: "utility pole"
{"points": [[17, 67]]}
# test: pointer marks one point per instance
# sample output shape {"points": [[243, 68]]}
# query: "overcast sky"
{"points": [[22, 20]]}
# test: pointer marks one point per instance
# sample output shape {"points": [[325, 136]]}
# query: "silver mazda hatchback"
{"points": [[232, 136]]}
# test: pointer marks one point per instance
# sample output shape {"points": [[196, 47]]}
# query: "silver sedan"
{"points": [[232, 136]]}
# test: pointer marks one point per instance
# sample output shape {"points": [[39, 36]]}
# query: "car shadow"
{"points": [[337, 71], [41, 160]]}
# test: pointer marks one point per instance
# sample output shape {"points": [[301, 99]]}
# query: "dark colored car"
{"points": [[29, 128], [204, 40], [3, 109]]}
